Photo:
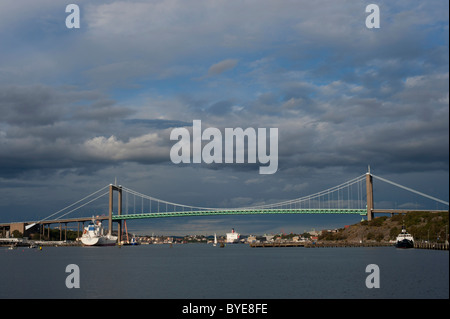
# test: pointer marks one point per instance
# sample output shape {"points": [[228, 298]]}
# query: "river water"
{"points": [[200, 271]]}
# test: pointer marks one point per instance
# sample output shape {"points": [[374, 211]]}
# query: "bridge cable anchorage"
{"points": [[411, 190]]}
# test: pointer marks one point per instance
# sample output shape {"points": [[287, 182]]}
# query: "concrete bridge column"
{"points": [[119, 212], [111, 197], [369, 192], [113, 188]]}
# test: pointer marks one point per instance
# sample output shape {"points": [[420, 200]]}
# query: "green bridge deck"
{"points": [[239, 212]]}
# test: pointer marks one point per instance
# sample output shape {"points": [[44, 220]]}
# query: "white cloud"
{"points": [[145, 148]]}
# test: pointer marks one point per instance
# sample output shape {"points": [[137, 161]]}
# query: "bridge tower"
{"points": [[369, 192], [113, 188]]}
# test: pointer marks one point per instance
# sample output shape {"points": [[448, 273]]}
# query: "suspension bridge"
{"points": [[352, 197]]}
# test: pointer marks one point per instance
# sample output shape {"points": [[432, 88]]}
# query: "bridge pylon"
{"points": [[369, 195], [113, 188]]}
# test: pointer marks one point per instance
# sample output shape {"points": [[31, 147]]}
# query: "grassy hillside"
{"points": [[424, 226]]}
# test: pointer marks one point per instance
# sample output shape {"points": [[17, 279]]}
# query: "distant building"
{"points": [[314, 233], [251, 239]]}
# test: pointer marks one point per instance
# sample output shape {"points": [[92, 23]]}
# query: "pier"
{"points": [[435, 246], [418, 245], [281, 244], [22, 242]]}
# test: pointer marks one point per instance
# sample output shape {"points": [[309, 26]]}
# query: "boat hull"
{"points": [[405, 243], [99, 241]]}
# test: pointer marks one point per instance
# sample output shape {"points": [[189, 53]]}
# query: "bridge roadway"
{"points": [[239, 212], [22, 226], [115, 217], [57, 221]]}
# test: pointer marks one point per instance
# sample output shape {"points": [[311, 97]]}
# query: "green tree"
{"points": [[394, 232], [17, 234]]}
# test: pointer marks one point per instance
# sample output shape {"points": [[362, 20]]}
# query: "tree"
{"points": [[17, 234], [394, 232]]}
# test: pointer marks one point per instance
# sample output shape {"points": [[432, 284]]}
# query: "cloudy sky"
{"points": [[81, 107]]}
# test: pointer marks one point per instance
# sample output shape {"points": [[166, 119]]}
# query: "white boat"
{"points": [[93, 235], [134, 242], [404, 239], [233, 237], [215, 240]]}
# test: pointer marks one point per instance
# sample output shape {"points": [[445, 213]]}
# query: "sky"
{"points": [[82, 107]]}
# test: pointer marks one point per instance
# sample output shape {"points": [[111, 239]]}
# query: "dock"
{"points": [[418, 245], [21, 242], [434, 246], [275, 244], [317, 245]]}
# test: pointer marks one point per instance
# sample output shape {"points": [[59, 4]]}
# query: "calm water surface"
{"points": [[236, 271]]}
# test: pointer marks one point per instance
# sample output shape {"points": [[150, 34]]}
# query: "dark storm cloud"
{"points": [[43, 128], [29, 106], [156, 123]]}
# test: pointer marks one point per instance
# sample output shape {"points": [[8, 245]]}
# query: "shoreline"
{"points": [[19, 242]]}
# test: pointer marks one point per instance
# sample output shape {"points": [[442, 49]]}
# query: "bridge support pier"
{"points": [[119, 212], [113, 188], [369, 195]]}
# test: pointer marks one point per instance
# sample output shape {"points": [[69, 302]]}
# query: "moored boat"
{"points": [[134, 242], [233, 237], [93, 235], [404, 239]]}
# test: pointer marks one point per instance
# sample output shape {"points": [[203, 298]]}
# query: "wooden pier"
{"points": [[435, 246], [418, 245], [275, 244]]}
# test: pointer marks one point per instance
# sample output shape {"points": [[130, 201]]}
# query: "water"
{"points": [[234, 272]]}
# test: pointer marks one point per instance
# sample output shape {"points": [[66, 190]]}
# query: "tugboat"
{"points": [[134, 242], [93, 235], [404, 239]]}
